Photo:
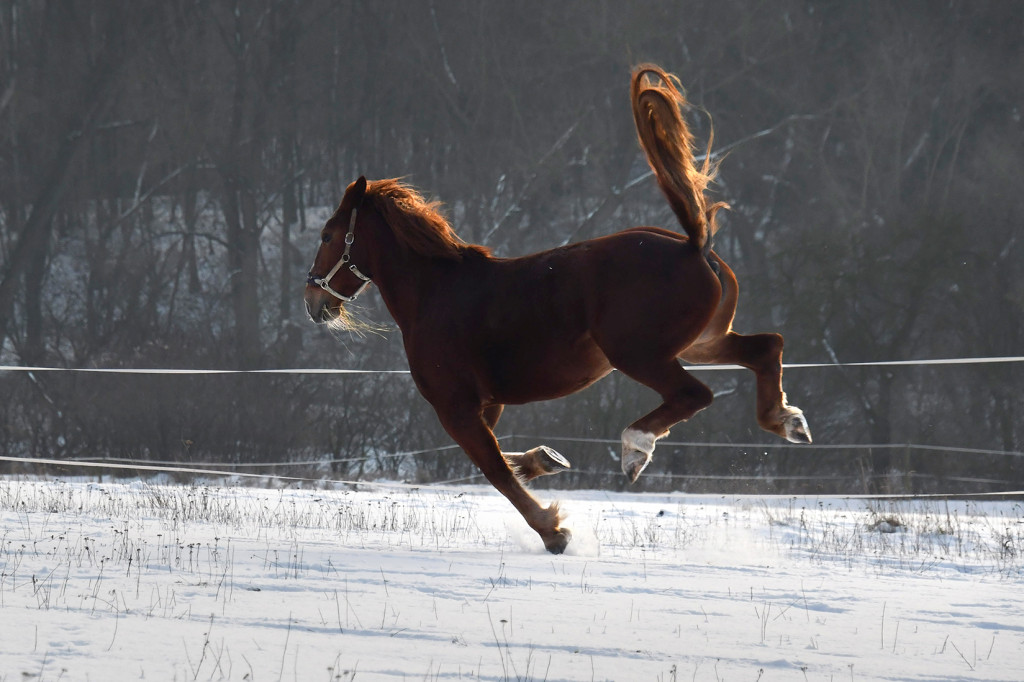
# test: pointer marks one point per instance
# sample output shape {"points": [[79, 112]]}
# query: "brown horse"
{"points": [[482, 332]]}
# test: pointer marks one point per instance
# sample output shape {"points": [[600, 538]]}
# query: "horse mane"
{"points": [[417, 223]]}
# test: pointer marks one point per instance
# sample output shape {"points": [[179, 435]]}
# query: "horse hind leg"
{"points": [[683, 396], [762, 354]]}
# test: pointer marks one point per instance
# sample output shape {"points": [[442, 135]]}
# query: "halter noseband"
{"points": [[325, 281]]}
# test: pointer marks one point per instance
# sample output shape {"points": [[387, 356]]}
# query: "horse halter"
{"points": [[325, 281]]}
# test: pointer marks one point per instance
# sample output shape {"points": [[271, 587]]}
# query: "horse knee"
{"points": [[693, 399]]}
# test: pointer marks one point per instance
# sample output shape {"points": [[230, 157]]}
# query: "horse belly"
{"points": [[529, 371]]}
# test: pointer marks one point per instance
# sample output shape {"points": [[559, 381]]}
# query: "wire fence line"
{"points": [[250, 470], [269, 465], [777, 446], [323, 370], [552, 438], [220, 473], [244, 470], [458, 484], [196, 372], [204, 467]]}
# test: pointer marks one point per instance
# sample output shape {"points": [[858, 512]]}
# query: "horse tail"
{"points": [[668, 144]]}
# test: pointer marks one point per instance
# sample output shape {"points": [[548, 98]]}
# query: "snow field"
{"points": [[127, 581]]}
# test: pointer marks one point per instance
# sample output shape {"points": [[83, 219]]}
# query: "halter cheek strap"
{"points": [[325, 281]]}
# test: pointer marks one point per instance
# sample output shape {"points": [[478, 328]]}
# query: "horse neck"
{"points": [[401, 275]]}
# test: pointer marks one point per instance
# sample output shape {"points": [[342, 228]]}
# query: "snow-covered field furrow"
{"points": [[166, 582]]}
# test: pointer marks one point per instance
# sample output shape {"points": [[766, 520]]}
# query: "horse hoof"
{"points": [[633, 464], [557, 543], [797, 430], [549, 460]]}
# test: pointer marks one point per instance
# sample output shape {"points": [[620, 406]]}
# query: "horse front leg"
{"points": [[540, 461], [470, 428], [762, 354]]}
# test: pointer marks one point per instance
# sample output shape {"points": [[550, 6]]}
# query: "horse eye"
{"points": [[326, 237]]}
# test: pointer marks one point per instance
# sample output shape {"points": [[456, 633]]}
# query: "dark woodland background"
{"points": [[165, 168]]}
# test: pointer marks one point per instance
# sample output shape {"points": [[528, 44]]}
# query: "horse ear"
{"points": [[357, 190]]}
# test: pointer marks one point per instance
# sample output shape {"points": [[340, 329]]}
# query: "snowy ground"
{"points": [[138, 581]]}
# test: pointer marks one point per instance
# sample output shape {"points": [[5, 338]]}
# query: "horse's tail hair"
{"points": [[668, 143]]}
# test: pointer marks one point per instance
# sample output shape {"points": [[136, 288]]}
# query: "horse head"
{"points": [[335, 278]]}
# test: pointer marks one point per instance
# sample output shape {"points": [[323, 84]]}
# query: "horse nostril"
{"points": [[321, 314]]}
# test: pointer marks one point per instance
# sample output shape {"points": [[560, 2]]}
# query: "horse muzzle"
{"points": [[321, 307]]}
